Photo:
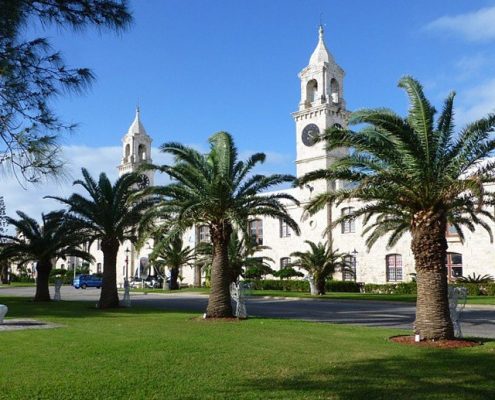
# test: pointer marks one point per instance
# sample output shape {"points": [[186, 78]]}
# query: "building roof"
{"points": [[321, 54]]}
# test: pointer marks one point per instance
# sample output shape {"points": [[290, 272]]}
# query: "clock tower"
{"points": [[322, 106], [136, 150]]}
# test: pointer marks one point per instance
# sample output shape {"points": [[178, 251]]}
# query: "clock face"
{"points": [[309, 134], [144, 181]]}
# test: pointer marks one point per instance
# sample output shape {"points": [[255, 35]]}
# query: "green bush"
{"points": [[21, 278], [342, 286], [391, 288], [273, 284]]}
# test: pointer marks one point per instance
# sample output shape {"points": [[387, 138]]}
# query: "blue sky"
{"points": [[196, 67]]}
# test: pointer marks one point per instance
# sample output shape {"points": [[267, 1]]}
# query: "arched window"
{"points": [[204, 234], [349, 272], [256, 231], [349, 225], [454, 265], [394, 267], [311, 90], [127, 152], [142, 152], [334, 91]]}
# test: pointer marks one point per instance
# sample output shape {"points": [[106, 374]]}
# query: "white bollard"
{"points": [[3, 312]]}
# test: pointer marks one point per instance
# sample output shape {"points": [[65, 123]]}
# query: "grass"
{"points": [[18, 284], [148, 354], [489, 300]]}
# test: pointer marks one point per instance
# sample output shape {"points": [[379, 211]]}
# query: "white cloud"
{"points": [[468, 66], [474, 26], [476, 102]]}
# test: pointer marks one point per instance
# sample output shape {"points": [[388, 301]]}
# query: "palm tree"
{"points": [[56, 237], [413, 174], [107, 215], [218, 190], [320, 261], [241, 251], [171, 254]]}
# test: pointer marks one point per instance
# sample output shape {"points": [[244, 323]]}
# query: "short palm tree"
{"points": [[320, 261], [218, 190], [107, 215], [56, 237], [173, 255], [413, 174]]}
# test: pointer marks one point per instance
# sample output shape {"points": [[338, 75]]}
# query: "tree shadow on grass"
{"points": [[22, 307], [426, 374]]}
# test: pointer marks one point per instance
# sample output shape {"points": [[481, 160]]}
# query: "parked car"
{"points": [[85, 281], [154, 282]]}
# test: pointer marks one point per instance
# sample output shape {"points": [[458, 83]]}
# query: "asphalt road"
{"points": [[476, 321]]}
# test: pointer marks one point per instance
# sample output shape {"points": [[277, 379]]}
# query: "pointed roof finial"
{"points": [[136, 126], [321, 53]]}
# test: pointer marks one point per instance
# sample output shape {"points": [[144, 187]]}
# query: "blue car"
{"points": [[85, 281]]}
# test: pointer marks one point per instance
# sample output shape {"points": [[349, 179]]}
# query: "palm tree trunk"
{"points": [[197, 275], [174, 274], [429, 247], [109, 297], [219, 301], [43, 269], [320, 285]]}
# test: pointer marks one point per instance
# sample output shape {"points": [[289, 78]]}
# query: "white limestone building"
{"points": [[322, 105]]}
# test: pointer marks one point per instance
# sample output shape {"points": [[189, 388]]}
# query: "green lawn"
{"points": [[18, 284], [150, 354], [363, 296]]}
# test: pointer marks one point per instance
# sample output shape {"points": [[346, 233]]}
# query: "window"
{"points": [[349, 272], [452, 231], [284, 229], [98, 244], [204, 234], [142, 152], [394, 267], [454, 265], [334, 91], [256, 231], [98, 268], [311, 90], [348, 226], [284, 262]]}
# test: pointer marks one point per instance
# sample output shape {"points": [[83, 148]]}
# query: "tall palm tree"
{"points": [[107, 215], [320, 261], [172, 254], [413, 174], [241, 252], [218, 190], [56, 237]]}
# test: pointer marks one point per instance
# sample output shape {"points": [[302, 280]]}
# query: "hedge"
{"points": [[391, 288], [301, 285], [474, 289]]}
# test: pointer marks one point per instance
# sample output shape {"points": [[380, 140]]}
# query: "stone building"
{"points": [[322, 105]]}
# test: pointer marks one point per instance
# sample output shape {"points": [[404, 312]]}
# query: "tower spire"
{"points": [[321, 53]]}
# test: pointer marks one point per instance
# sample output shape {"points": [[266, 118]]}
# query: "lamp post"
{"points": [[354, 258], [74, 269], [127, 296]]}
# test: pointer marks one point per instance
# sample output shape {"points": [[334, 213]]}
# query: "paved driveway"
{"points": [[476, 321]]}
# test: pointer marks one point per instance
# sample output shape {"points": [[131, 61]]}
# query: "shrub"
{"points": [[342, 286], [287, 273], [273, 284], [391, 288]]}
